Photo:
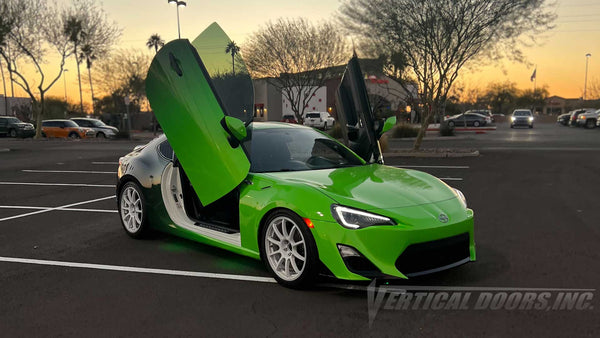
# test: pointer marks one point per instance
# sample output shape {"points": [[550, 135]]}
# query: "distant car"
{"points": [[289, 119], [65, 128], [563, 119], [484, 112], [13, 127], [102, 130], [468, 120], [588, 119], [521, 117], [321, 120], [575, 114]]}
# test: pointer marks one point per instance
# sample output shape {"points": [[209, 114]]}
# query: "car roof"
{"points": [[56, 120]]}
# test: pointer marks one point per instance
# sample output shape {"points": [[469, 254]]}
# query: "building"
{"points": [[556, 105], [386, 94], [14, 106]]}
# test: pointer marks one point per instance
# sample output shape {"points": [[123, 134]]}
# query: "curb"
{"points": [[4, 150], [443, 154]]}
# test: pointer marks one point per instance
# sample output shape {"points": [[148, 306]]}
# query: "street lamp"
{"points": [[65, 82], [179, 4], [587, 58]]}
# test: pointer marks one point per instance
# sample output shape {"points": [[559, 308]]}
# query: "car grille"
{"points": [[434, 254]]}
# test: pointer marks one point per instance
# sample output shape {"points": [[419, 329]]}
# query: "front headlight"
{"points": [[461, 197], [355, 219], [531, 119], [512, 118]]}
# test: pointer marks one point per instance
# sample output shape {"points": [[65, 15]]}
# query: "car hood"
{"points": [[373, 186]]}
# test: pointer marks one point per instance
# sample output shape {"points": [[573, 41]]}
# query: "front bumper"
{"points": [[25, 133], [399, 251], [522, 122]]}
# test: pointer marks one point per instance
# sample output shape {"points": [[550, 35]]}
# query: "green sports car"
{"points": [[301, 201]]}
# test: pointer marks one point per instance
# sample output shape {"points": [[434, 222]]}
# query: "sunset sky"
{"points": [[560, 58]]}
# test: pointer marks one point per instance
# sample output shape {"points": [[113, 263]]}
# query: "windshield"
{"points": [[291, 149], [13, 120], [522, 113], [97, 123]]}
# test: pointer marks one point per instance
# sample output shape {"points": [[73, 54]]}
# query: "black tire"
{"points": [[74, 135], [511, 125], [43, 134], [530, 126], [12, 133], [125, 194], [451, 124], [476, 124], [310, 268], [100, 135], [590, 124]]}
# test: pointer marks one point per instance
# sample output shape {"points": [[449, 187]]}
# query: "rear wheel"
{"points": [[132, 209], [289, 250], [100, 135], [476, 124], [451, 124]]}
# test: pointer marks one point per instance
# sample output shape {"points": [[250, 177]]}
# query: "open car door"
{"points": [[355, 116], [204, 137]]}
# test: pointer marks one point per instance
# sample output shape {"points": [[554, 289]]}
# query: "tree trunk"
{"points": [[91, 89], [424, 124], [79, 80], [4, 85], [37, 112]]}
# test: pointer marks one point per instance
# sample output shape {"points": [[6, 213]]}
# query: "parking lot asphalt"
{"points": [[67, 268]]}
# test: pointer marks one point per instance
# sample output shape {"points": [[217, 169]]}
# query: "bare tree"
{"points": [[123, 72], [296, 57], [33, 31], [438, 37], [593, 90], [87, 26]]}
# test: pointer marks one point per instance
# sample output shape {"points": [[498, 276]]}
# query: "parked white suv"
{"points": [[321, 120], [588, 119]]}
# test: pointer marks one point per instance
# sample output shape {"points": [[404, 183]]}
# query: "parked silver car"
{"points": [[588, 119], [100, 128]]}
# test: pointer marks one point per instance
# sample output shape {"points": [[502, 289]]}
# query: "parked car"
{"points": [[564, 119], [588, 119], [468, 120], [13, 127], [102, 130], [289, 119], [521, 117], [65, 128], [287, 194], [575, 114], [321, 120], [484, 112]]}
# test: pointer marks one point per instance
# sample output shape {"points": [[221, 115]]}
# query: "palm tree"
{"points": [[232, 49], [155, 42], [87, 54], [73, 29]]}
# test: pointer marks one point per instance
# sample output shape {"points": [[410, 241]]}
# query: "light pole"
{"points": [[178, 4], [587, 58], [65, 82]]}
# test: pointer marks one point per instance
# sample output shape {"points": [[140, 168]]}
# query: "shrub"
{"points": [[446, 130], [404, 130]]}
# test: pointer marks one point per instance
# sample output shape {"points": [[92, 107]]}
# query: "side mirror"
{"points": [[389, 124], [234, 127]]}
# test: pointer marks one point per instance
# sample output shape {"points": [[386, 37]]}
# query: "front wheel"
{"points": [[132, 209], [12, 133], [289, 250], [74, 136], [476, 124], [451, 124], [590, 124]]}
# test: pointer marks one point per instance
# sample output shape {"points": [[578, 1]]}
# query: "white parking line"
{"points": [[69, 171], [138, 270], [434, 166], [61, 209], [56, 208], [113, 163], [60, 184]]}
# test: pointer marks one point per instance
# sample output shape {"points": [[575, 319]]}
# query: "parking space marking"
{"points": [[434, 166], [113, 163], [61, 184], [56, 208], [69, 171], [138, 269], [62, 209]]}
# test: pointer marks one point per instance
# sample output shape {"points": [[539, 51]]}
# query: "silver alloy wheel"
{"points": [[131, 209], [285, 248]]}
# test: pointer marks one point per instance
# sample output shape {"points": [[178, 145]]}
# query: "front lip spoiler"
{"points": [[441, 268]]}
